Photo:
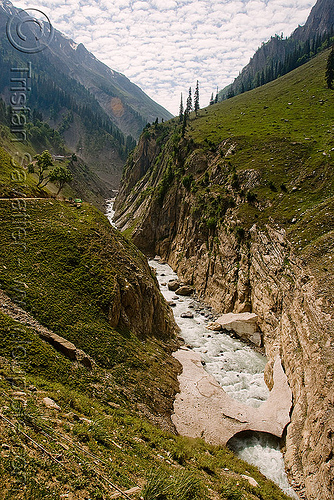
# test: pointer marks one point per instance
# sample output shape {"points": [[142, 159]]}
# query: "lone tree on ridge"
{"points": [[196, 99], [60, 175], [41, 166]]}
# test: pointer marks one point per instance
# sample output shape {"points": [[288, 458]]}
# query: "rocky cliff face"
{"points": [[320, 21], [238, 267]]}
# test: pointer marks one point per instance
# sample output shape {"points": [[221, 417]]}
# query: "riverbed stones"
{"points": [[215, 327], [203, 409], [173, 285], [187, 314], [184, 290], [243, 324]]}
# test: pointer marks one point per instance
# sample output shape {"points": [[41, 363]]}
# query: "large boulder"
{"points": [[184, 290], [173, 285], [243, 324]]}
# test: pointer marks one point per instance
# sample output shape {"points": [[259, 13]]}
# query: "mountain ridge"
{"points": [[280, 55], [240, 206], [97, 112]]}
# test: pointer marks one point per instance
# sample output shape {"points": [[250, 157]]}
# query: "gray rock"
{"points": [[49, 403], [187, 314], [173, 285], [184, 290], [215, 327]]}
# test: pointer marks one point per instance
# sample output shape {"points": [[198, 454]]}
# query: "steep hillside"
{"points": [[319, 22], [241, 208], [85, 184], [93, 110], [280, 55], [86, 373]]}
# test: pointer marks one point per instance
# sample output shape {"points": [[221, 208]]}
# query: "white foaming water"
{"points": [[235, 366], [110, 212], [263, 450]]}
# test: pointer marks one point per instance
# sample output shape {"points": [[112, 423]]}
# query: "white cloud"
{"points": [[164, 46]]}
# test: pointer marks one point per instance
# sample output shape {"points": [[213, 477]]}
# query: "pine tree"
{"points": [[217, 96], [330, 69], [181, 109], [189, 102], [196, 99], [184, 122], [212, 101]]}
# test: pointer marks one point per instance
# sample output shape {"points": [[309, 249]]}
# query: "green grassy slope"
{"points": [[296, 106], [285, 131], [11, 182], [282, 136]]}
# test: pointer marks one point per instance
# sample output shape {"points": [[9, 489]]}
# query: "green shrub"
{"points": [[235, 182], [250, 197], [272, 186], [231, 491], [187, 181], [211, 223], [182, 486], [165, 184], [182, 450], [240, 232]]}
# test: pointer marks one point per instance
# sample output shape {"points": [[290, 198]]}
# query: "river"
{"points": [[236, 367]]}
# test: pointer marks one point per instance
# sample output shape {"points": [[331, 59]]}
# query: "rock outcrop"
{"points": [[255, 270], [61, 344]]}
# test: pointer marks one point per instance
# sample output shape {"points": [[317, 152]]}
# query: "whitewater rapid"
{"points": [[236, 367]]}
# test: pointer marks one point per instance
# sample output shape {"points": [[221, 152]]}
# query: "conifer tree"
{"points": [[217, 97], [184, 123], [196, 99], [181, 109], [212, 101], [330, 69], [189, 102]]}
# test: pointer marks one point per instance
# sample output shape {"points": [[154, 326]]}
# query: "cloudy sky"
{"points": [[164, 46]]}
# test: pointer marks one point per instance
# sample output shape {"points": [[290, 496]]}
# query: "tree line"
{"points": [[296, 55]]}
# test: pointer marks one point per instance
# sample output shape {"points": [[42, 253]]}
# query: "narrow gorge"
{"points": [[209, 204]]}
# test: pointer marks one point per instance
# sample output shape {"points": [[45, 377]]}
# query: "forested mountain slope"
{"points": [[96, 112], [280, 55]]}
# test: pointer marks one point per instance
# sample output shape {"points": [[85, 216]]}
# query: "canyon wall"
{"points": [[239, 267]]}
